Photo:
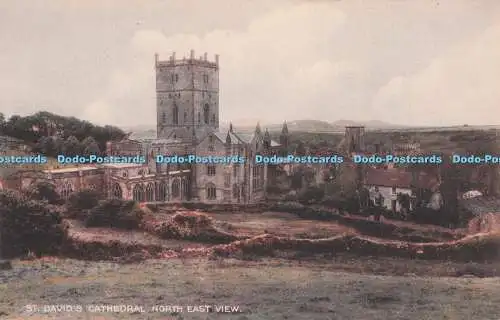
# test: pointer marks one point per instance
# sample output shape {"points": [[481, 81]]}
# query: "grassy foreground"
{"points": [[267, 289]]}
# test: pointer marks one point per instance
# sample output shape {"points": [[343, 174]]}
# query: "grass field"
{"points": [[290, 285], [267, 289]]}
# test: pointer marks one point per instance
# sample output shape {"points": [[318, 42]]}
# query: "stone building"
{"points": [[187, 105]]}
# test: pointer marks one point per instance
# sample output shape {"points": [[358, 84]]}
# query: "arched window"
{"points": [[138, 193], [116, 191], [164, 117], [211, 191], [199, 118], [175, 189], [236, 191], [206, 114], [184, 188], [66, 190], [185, 116], [161, 191], [175, 111], [150, 194]]}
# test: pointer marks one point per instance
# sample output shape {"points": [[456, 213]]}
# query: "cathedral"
{"points": [[187, 110]]}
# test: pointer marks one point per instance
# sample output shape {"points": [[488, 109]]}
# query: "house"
{"points": [[391, 182]]}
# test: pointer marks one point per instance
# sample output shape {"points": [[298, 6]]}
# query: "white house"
{"points": [[391, 182]]}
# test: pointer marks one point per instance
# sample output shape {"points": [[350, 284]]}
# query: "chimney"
{"points": [[217, 59], [156, 59], [173, 56], [205, 56], [191, 56]]}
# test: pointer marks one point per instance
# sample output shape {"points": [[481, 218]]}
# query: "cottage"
{"points": [[390, 183]]}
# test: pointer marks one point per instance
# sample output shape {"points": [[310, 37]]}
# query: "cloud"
{"points": [[459, 87], [279, 64], [283, 59]]}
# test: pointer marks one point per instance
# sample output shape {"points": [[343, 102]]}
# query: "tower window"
{"points": [[205, 78], [199, 118], [175, 114], [185, 116], [211, 170], [176, 78], [163, 117], [206, 113]]}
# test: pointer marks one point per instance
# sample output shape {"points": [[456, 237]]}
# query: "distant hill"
{"points": [[322, 126], [372, 124], [144, 131]]}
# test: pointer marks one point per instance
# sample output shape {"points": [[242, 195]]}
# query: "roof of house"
{"points": [[399, 178], [70, 169]]}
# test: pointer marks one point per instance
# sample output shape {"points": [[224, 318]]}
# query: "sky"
{"points": [[425, 62]]}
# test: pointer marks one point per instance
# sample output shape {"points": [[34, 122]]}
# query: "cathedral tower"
{"points": [[187, 96]]}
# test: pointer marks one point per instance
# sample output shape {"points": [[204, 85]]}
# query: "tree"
{"points": [[90, 146], [42, 124], [71, 147], [44, 191]]}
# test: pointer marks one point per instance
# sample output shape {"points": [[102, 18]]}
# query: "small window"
{"points": [[227, 180], [211, 192], [211, 170], [176, 78]]}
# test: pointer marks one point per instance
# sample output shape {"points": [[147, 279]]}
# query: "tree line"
{"points": [[52, 134]]}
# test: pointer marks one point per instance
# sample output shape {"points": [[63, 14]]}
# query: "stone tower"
{"points": [[187, 96], [284, 139], [355, 139], [355, 143]]}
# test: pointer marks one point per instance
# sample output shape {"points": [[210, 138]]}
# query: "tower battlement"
{"points": [[173, 61]]}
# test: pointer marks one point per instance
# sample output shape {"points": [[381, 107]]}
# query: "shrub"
{"points": [[44, 191], [84, 199], [115, 213], [29, 225], [310, 195]]}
